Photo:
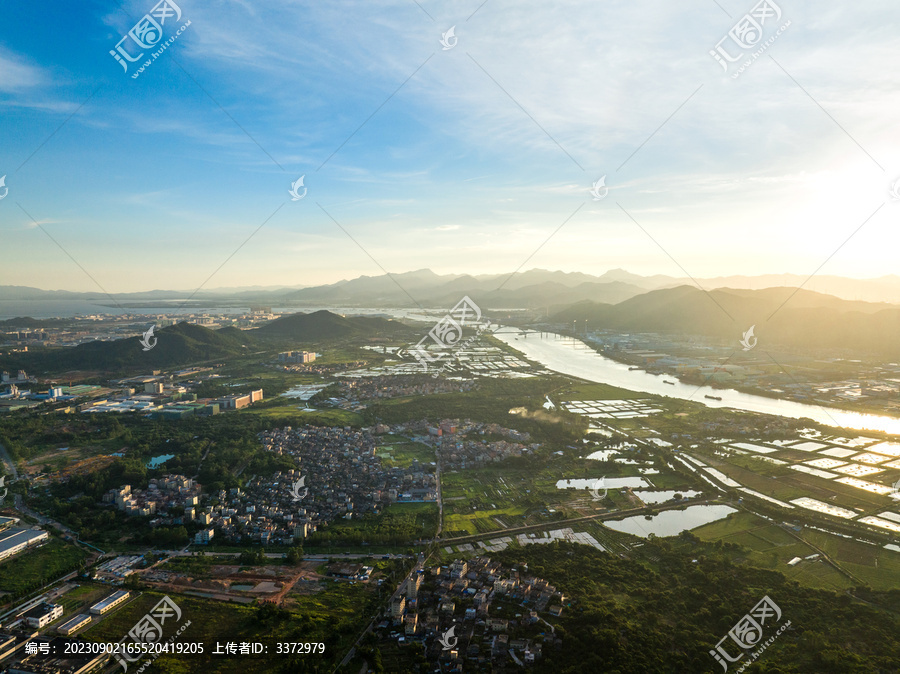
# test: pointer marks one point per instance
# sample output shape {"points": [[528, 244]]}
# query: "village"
{"points": [[475, 611]]}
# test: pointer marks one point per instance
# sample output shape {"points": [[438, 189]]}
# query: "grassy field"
{"points": [[483, 520], [770, 546], [491, 402], [45, 563], [875, 566], [292, 414], [333, 617], [79, 599], [397, 524], [527, 486], [401, 452], [587, 391]]}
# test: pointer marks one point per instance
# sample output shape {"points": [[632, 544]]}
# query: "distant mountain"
{"points": [[31, 323], [177, 344], [785, 316], [532, 289], [324, 325], [29, 293], [186, 343], [535, 288], [883, 289], [549, 295]]}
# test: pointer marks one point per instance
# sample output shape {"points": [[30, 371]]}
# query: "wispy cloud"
{"points": [[18, 74]]}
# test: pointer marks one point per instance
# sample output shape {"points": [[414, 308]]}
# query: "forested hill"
{"points": [[187, 343], [634, 616], [785, 316]]}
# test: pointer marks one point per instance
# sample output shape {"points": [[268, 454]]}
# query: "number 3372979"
{"points": [[287, 647]]}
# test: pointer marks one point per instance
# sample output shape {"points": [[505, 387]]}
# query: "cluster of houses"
{"points": [[160, 495], [259, 513], [342, 472], [338, 476], [462, 445], [476, 611]]}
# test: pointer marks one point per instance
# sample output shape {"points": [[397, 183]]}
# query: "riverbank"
{"points": [[860, 408], [573, 357]]}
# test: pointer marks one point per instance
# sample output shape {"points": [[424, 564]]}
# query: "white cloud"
{"points": [[16, 74]]}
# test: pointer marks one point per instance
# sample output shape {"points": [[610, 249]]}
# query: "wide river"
{"points": [[573, 357]]}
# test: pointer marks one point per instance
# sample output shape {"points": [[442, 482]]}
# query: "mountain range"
{"points": [[534, 289], [780, 316]]}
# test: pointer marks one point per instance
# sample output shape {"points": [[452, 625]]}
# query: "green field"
{"points": [[482, 521], [396, 451], [397, 524], [291, 414], [523, 490], [79, 599], [491, 402], [770, 546], [334, 616], [586, 391], [30, 569]]}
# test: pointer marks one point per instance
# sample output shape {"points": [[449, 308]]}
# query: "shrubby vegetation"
{"points": [[634, 616]]}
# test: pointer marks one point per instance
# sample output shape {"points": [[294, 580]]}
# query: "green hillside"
{"points": [[786, 316], [324, 325]]}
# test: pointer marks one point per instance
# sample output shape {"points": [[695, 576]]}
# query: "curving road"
{"points": [[9, 463]]}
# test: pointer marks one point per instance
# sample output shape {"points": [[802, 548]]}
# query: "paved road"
{"points": [[324, 557], [440, 498], [46, 521], [9, 463], [556, 524]]}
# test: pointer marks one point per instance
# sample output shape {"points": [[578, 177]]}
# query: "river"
{"points": [[573, 357]]}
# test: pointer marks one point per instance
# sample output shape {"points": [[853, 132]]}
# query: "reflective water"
{"points": [[663, 496], [574, 357], [157, 461], [600, 483], [602, 454], [671, 522]]}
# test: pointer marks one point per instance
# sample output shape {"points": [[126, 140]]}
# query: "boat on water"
{"points": [[713, 397], [633, 368], [666, 381]]}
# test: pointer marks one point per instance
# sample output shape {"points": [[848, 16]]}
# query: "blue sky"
{"points": [[155, 182]]}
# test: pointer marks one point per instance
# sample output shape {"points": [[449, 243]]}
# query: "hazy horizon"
{"points": [[812, 281]]}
